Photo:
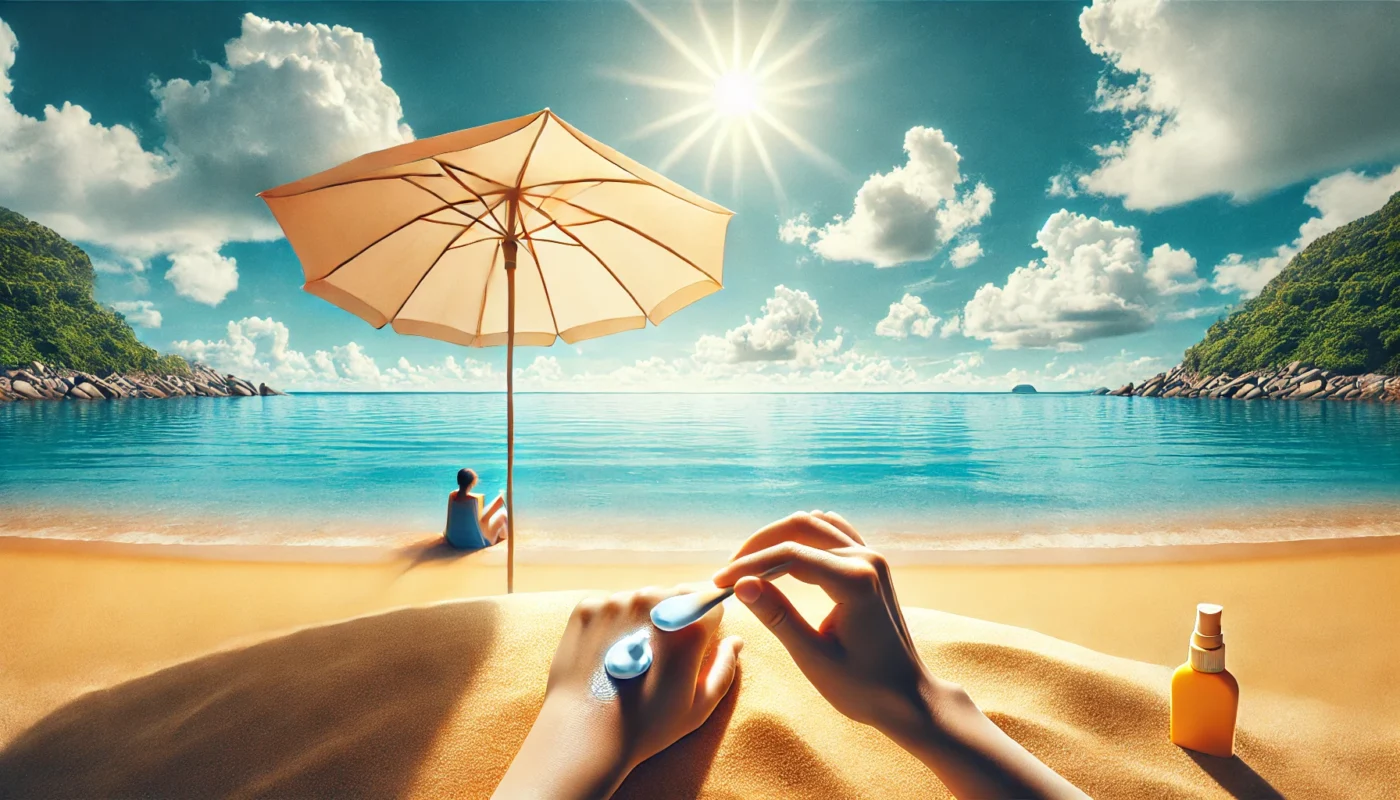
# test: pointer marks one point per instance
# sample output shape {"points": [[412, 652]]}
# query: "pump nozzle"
{"points": [[1207, 641]]}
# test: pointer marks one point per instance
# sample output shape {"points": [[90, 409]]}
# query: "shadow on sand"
{"points": [[343, 710], [1236, 777], [435, 550]]}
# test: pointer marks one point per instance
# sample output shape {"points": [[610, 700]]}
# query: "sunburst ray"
{"points": [[739, 90]]}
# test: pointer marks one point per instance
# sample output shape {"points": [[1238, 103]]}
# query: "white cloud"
{"points": [[1241, 98], [259, 349], [906, 214], [785, 331], [1339, 199], [141, 313], [1196, 313], [907, 316], [951, 328], [1062, 185], [203, 275], [289, 99], [966, 253], [1093, 282]]}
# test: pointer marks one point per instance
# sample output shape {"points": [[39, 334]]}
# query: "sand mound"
{"points": [[433, 701]]}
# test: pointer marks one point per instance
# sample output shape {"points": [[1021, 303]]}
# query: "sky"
{"points": [[958, 196]]}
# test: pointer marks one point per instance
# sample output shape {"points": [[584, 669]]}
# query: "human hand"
{"points": [[861, 657], [593, 729]]}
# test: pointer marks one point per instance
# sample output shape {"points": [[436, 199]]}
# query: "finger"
{"points": [[839, 523], [775, 611], [718, 676], [801, 528], [841, 577], [682, 651]]}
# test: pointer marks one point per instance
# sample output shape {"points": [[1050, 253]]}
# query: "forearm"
{"points": [[563, 759], [968, 752]]}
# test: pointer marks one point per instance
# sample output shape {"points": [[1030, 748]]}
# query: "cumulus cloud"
{"points": [[906, 214], [906, 317], [1238, 99], [1093, 282], [141, 313], [951, 328], [259, 349], [1339, 199], [785, 331], [1062, 185], [288, 100], [965, 254]]}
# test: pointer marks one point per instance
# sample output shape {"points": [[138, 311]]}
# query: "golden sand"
{"points": [[142, 671]]}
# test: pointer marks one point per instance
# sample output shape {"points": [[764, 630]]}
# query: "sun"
{"points": [[738, 94]]}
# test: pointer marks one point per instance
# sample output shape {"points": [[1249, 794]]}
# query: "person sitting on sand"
{"points": [[591, 732], [469, 525]]}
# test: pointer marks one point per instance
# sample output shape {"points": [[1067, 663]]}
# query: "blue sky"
{"points": [[1168, 158]]}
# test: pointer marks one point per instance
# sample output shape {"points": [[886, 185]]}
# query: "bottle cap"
{"points": [[1207, 653]]}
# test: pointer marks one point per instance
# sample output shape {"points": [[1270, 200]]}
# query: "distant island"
{"points": [[1023, 388], [1327, 327], [57, 342]]}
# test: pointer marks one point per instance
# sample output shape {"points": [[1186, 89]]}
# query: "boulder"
{"points": [[1292, 369], [39, 368], [77, 393], [1306, 390], [1253, 393], [1310, 375], [91, 391], [26, 390], [241, 391]]}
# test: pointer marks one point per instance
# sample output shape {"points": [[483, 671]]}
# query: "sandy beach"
{"points": [[163, 670]]}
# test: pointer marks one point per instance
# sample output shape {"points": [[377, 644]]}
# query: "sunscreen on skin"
{"points": [[1205, 698]]}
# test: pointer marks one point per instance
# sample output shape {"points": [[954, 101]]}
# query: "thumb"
{"points": [[716, 680], [775, 611]]}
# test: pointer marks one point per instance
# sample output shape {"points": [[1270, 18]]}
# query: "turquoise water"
{"points": [[673, 470]]}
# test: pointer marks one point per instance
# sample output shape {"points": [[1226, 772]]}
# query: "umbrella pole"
{"points": [[510, 250]]}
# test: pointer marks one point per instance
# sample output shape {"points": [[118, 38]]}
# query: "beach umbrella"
{"points": [[515, 233]]}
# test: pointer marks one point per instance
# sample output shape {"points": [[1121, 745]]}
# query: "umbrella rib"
{"points": [[589, 251], [421, 278], [479, 197], [353, 181], [583, 180], [648, 237], [421, 218], [451, 206], [530, 245], [524, 165], [603, 156], [486, 290]]}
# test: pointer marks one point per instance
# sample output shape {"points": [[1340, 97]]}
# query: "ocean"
{"points": [[685, 471]]}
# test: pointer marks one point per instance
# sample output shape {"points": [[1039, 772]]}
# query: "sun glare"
{"points": [[737, 92]]}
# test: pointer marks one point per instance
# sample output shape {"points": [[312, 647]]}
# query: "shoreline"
{"points": [[1186, 537], [1296, 381], [622, 556]]}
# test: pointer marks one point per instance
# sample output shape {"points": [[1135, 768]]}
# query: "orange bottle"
{"points": [[1205, 698]]}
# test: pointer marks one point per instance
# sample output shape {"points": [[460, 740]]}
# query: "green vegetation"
{"points": [[48, 314], [1336, 306]]}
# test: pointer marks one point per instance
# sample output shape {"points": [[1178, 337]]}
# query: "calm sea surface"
{"points": [[681, 470]]}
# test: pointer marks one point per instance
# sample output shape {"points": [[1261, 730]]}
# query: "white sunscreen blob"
{"points": [[629, 656]]}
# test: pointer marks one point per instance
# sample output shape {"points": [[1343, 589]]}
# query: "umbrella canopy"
{"points": [[517, 232]]}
